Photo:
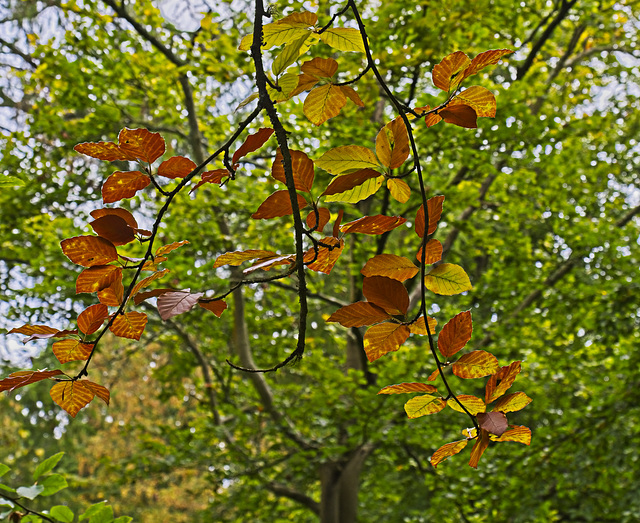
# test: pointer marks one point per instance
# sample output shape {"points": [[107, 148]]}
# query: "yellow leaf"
{"points": [[391, 266], [446, 451], [71, 396], [447, 279], [403, 388], [399, 189], [447, 75], [343, 39], [517, 433], [424, 405], [356, 194], [512, 402], [473, 404], [288, 55], [347, 159], [481, 100], [323, 103], [475, 364]]}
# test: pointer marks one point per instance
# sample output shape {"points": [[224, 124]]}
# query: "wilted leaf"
{"points": [[433, 250], [455, 334], [447, 450], [343, 39], [141, 144], [92, 318], [460, 115], [391, 266], [302, 167], [482, 442], [276, 205], [378, 224], [89, 251], [402, 388], [392, 144], [447, 279], [326, 257], [419, 327], [424, 405], [216, 306], [347, 159], [434, 210], [358, 314], [71, 350], [512, 402], [238, 257], [500, 382], [253, 143], [473, 404], [71, 396], [475, 364], [176, 167], [323, 213], [171, 304], [517, 433], [447, 74], [384, 338], [399, 189], [355, 187], [122, 185], [114, 229], [21, 378], [129, 325], [493, 422], [387, 293]]}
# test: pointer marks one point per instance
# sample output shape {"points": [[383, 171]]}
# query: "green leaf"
{"points": [[61, 513], [123, 519], [343, 39], [53, 484], [288, 55], [98, 513], [47, 465], [7, 488], [4, 469], [10, 181], [31, 492]]}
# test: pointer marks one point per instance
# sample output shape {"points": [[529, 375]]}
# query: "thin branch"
{"points": [[299, 497]]}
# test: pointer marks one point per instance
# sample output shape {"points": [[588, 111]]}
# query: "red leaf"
{"points": [[122, 185], [252, 143], [176, 167], [302, 167], [434, 208], [141, 144], [216, 306], [389, 294], [130, 325], [92, 318], [171, 304], [455, 334], [89, 251], [493, 422], [358, 315], [378, 224], [276, 205], [114, 229], [15, 380]]}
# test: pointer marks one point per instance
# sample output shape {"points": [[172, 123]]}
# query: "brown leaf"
{"points": [[171, 304], [392, 144], [92, 318], [391, 266], [419, 327], [142, 296], [276, 205], [122, 213], [141, 144], [455, 334], [389, 294], [350, 93], [326, 257], [478, 449], [378, 224], [89, 251], [359, 314], [402, 388], [493, 422], [94, 279], [71, 350], [447, 450], [148, 280], [100, 391], [460, 115], [433, 250], [434, 209], [71, 396], [129, 325], [323, 213], [15, 380], [114, 229], [302, 167], [431, 119], [252, 143], [176, 167], [475, 364], [384, 338], [480, 99], [122, 185], [501, 381], [216, 306]]}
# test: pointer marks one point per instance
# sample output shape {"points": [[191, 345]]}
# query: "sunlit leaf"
{"points": [[419, 327], [305, 82], [390, 266], [96, 278], [276, 205], [141, 144], [100, 391], [512, 402], [129, 325], [481, 100], [92, 318], [266, 264], [434, 375], [324, 102], [460, 115], [399, 189], [402, 388], [475, 364], [447, 450], [359, 314], [113, 228], [71, 350], [447, 279], [485, 59], [323, 214], [289, 54], [176, 167], [384, 338], [171, 304], [455, 334], [239, 257], [473, 404], [347, 159], [501, 381], [215, 306], [166, 249], [71, 396], [433, 250], [352, 95], [122, 185], [431, 119], [253, 143], [300, 19], [326, 257], [424, 405], [378, 224], [21, 378], [89, 251], [145, 282], [302, 167], [107, 151], [10, 181], [517, 433], [392, 144], [343, 39], [447, 74], [216, 176], [112, 295], [352, 188], [434, 211], [482, 442], [320, 67], [493, 422], [387, 293]]}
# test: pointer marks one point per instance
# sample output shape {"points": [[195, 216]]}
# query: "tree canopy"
{"points": [[540, 211]]}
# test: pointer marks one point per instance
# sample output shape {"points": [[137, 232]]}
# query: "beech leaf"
{"points": [[171, 304]]}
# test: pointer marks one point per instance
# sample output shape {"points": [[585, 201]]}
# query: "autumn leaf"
{"points": [[92, 318], [166, 249], [268, 263], [176, 167], [460, 115], [122, 185], [390, 266], [347, 159], [238, 257], [403, 388], [141, 144], [473, 404], [482, 442], [343, 39], [399, 189], [324, 102], [18, 379], [378, 224], [433, 250], [424, 405], [145, 282], [302, 167], [475, 364], [493, 422], [455, 334], [517, 433], [447, 279], [481, 100], [355, 187], [447, 74], [392, 144], [114, 229], [100, 391], [35, 331], [215, 306], [116, 211], [359, 314], [326, 257], [98, 277], [419, 327], [107, 151], [323, 214], [512, 402], [387, 293], [89, 251], [434, 211], [384, 338], [71, 396], [252, 143], [171, 304], [71, 350], [506, 376], [129, 325], [485, 59], [276, 205], [112, 295], [216, 176], [320, 67], [447, 450]]}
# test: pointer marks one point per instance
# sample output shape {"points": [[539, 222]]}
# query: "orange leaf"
{"points": [[122, 213], [433, 248], [214, 176], [176, 167], [71, 396], [107, 151], [15, 380], [475, 364], [447, 279], [141, 144], [351, 93], [252, 143], [98, 390], [216, 306], [71, 350], [478, 449], [129, 325], [326, 257], [471, 403], [387, 293], [512, 402], [112, 295], [447, 450], [37, 330], [148, 280], [171, 304], [320, 67], [517, 433], [485, 59], [434, 209], [123, 185], [506, 375], [378, 224], [399, 189], [383, 338], [114, 229], [96, 278], [92, 318], [323, 213], [352, 188], [392, 144], [431, 119], [447, 74], [424, 405], [391, 266], [455, 334], [419, 327], [305, 82], [166, 249], [89, 251], [460, 115], [238, 257], [402, 388], [358, 314], [493, 422], [434, 375], [276, 205], [323, 102], [481, 100], [302, 167]]}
